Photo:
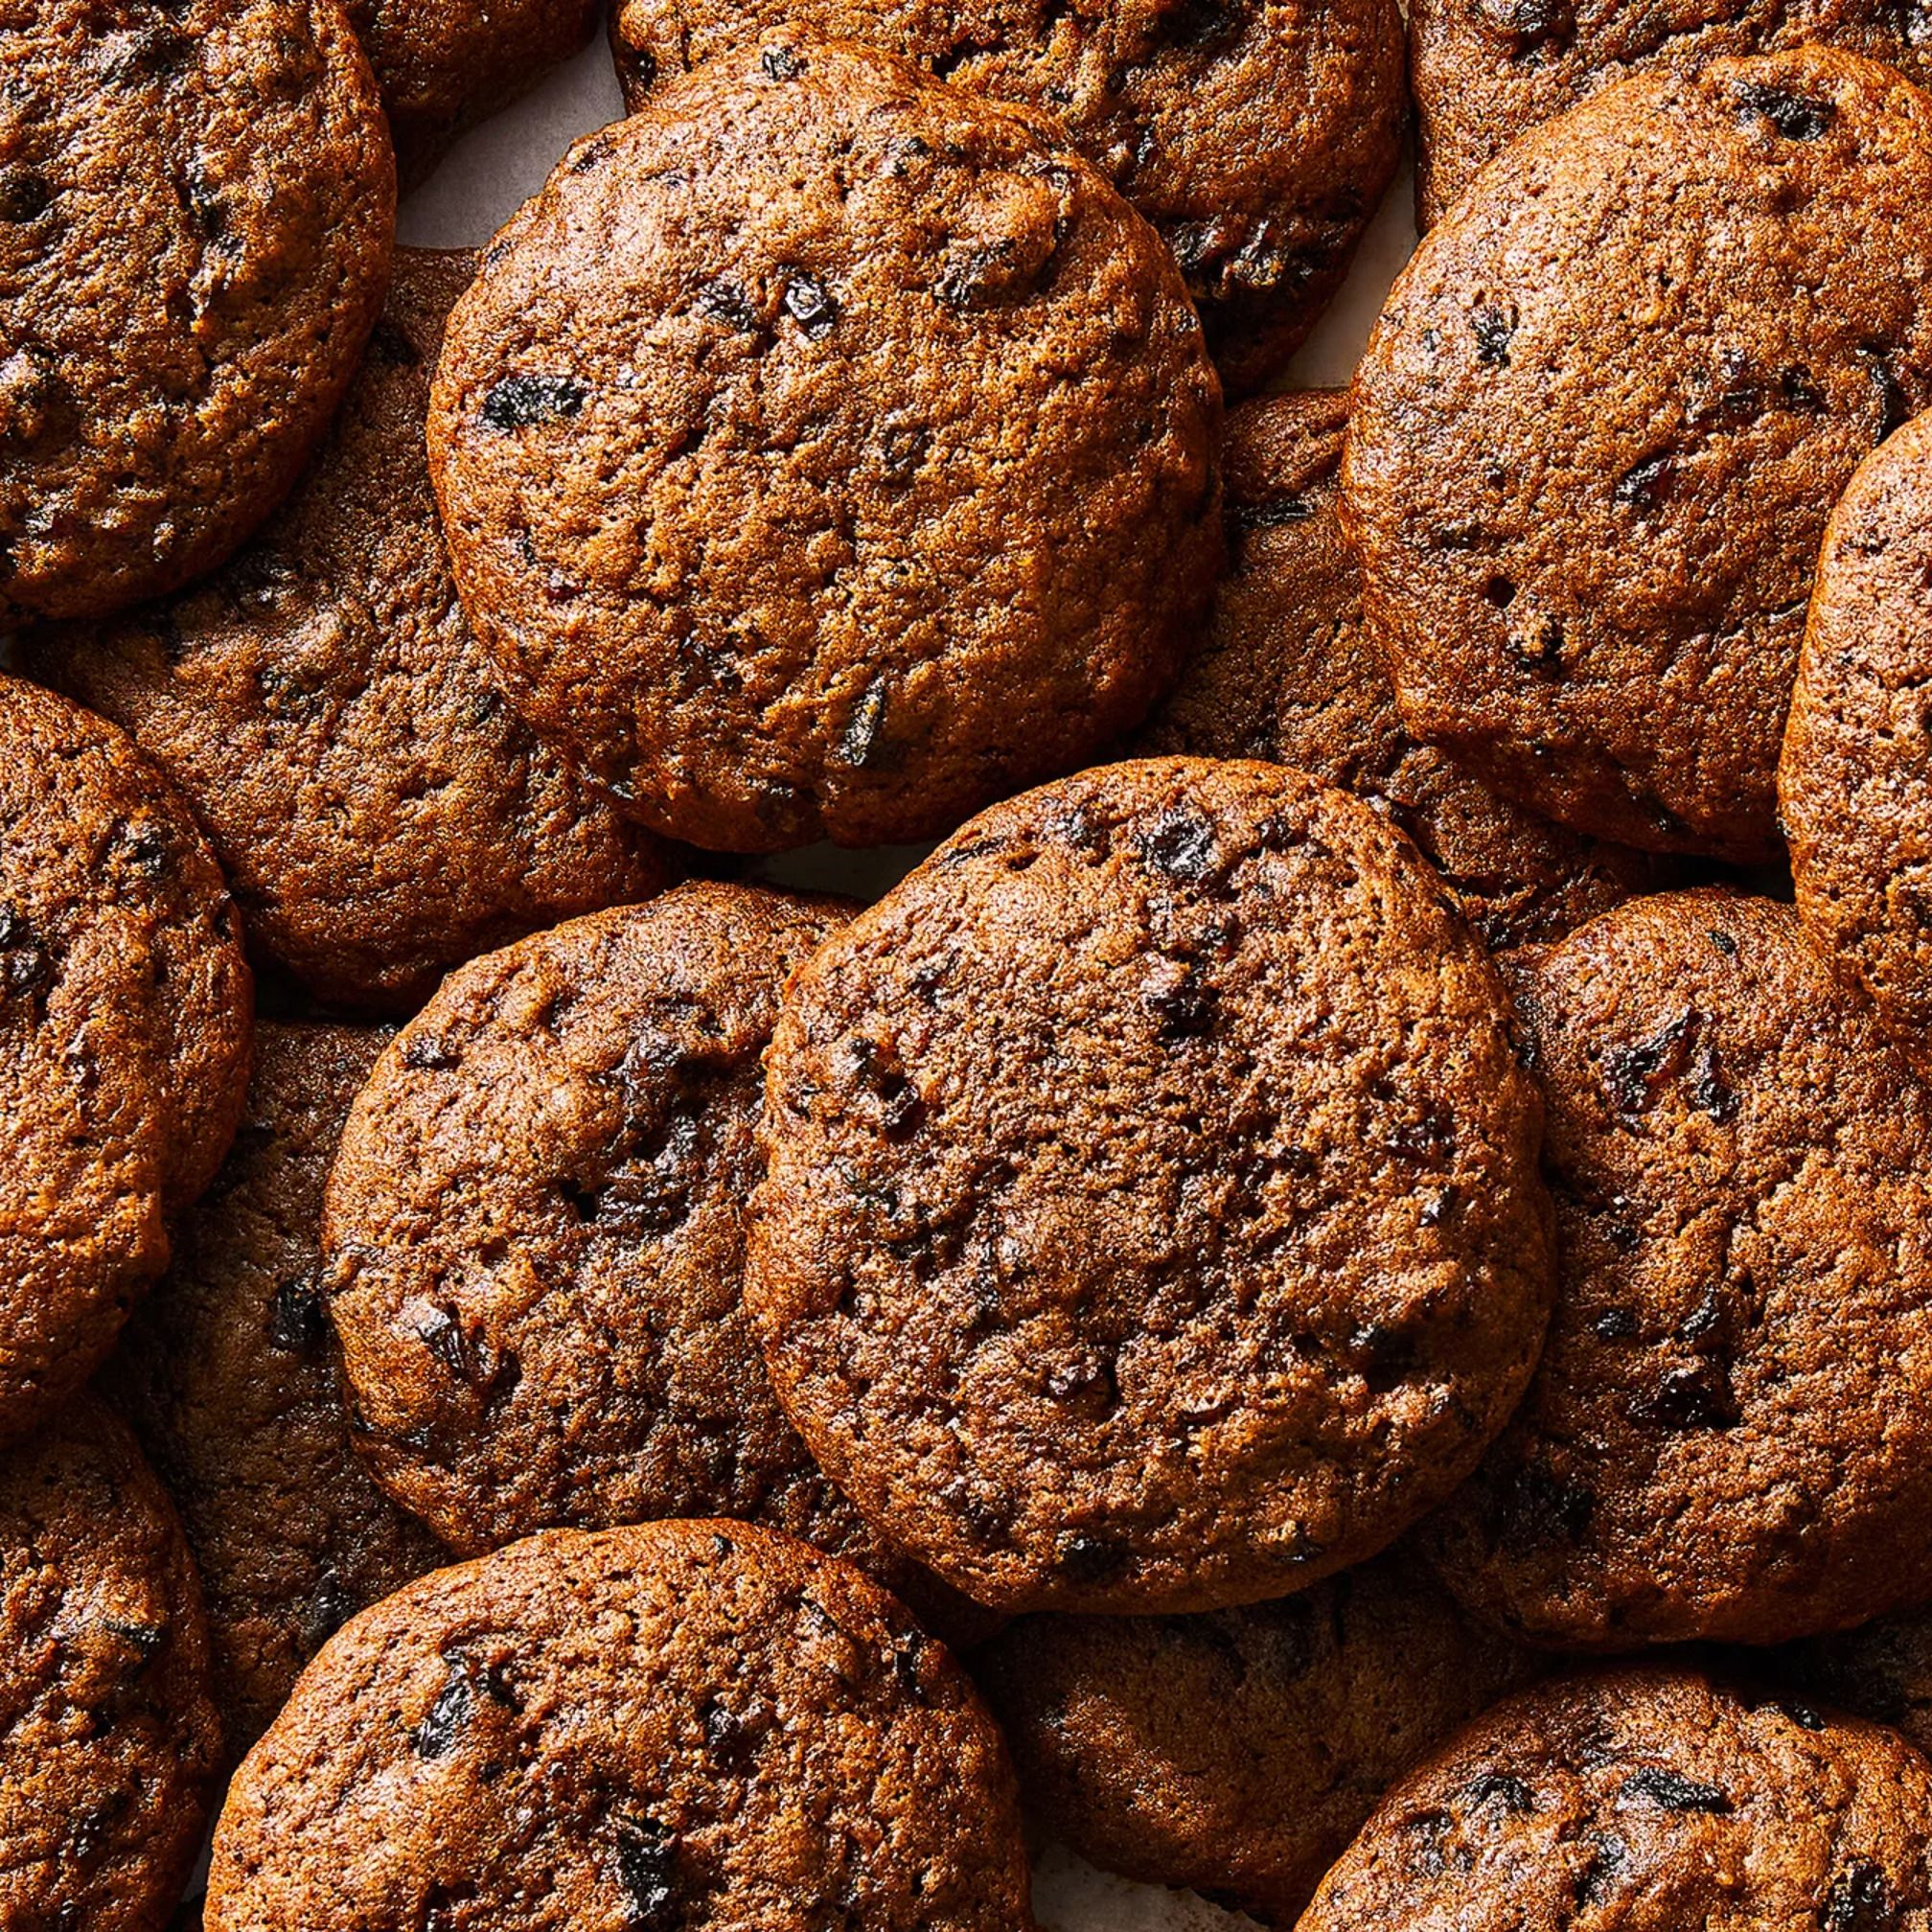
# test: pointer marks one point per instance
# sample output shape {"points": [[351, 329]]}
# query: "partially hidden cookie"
{"points": [[1152, 1219], [1287, 672], [1603, 419], [826, 451], [1259, 139], [1883, 1670], [382, 814], [1238, 1752], [1730, 1434], [226, 1374], [197, 206], [1648, 1800], [110, 1742], [1854, 785], [678, 1724], [126, 1013]]}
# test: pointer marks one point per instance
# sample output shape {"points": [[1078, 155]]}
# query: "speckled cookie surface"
{"points": [[111, 1738], [1257, 139], [1648, 1801], [1151, 1219], [1601, 422], [678, 1724], [1730, 1435], [825, 452], [381, 812], [226, 1374], [1288, 673], [1854, 784], [1237, 1753], [196, 201], [125, 1018]]}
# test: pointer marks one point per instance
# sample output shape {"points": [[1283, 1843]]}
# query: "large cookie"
{"points": [[692, 1725], [1152, 1217], [196, 204], [825, 452], [326, 710], [1601, 422]]}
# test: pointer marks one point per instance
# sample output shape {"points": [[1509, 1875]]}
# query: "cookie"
{"points": [[676, 1724], [825, 452], [1730, 1435], [1601, 423], [1883, 1670], [226, 1374], [326, 710], [110, 1739], [1485, 71], [196, 204], [1648, 1800], [1237, 1753], [1152, 1218], [1257, 140], [124, 1020], [1287, 673], [1854, 785]]}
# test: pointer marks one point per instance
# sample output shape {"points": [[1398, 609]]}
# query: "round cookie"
{"points": [[1651, 1800], [825, 452], [226, 1374], [1854, 785], [110, 1741], [126, 1010], [1730, 1434], [1152, 1219], [1287, 673], [1237, 1753], [196, 205], [1883, 1670], [1601, 422], [1257, 140], [675, 1724], [382, 814]]}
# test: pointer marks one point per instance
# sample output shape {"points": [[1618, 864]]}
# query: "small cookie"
{"points": [[126, 1011], [1152, 1218], [1730, 1435], [825, 452], [1238, 1752], [1650, 1800], [1855, 786], [1601, 423], [196, 205], [108, 1749], [226, 1374], [1883, 1670], [324, 707], [1287, 673], [694, 1725], [1257, 140]]}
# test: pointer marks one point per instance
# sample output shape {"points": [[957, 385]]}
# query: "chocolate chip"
{"points": [[143, 845], [1615, 1325], [447, 1717], [523, 401], [728, 1742], [1493, 327], [783, 63], [1527, 25], [295, 1320], [647, 1869], [1860, 1900], [1895, 409], [1695, 1395], [1793, 115], [329, 1607], [1085, 1558], [1179, 844], [1515, 1795], [1800, 392], [25, 964], [723, 301], [1645, 484], [449, 1341], [865, 745], [809, 304], [1630, 1073], [643, 70], [1672, 1792], [1724, 943], [1186, 1006], [24, 195], [1271, 514], [427, 1053]]}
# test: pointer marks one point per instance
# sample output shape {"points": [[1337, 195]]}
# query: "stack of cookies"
{"points": [[1329, 1300]]}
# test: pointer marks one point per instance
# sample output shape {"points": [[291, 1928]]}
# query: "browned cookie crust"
{"points": [[1256, 138], [1484, 71], [125, 1018], [196, 201], [1601, 423], [226, 1374], [1730, 1435], [1238, 1752], [321, 701], [1854, 785], [826, 451], [1152, 1219], [1648, 1801], [688, 1725], [1883, 1670], [1288, 673], [109, 1740]]}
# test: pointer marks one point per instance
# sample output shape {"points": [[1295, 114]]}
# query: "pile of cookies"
{"points": [[1355, 1239]]}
